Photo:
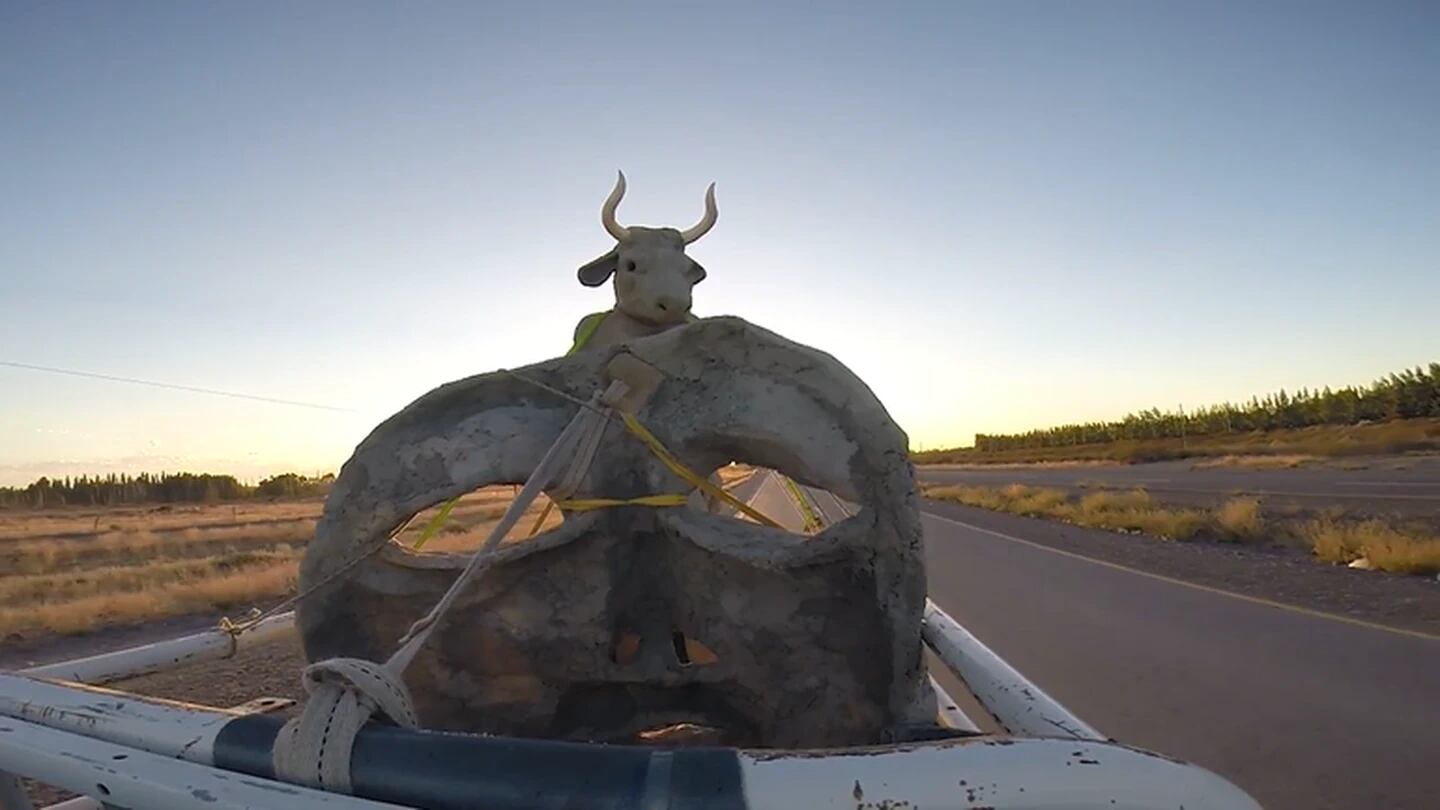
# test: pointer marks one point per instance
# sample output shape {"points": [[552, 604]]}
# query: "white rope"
{"points": [[345, 693], [342, 695]]}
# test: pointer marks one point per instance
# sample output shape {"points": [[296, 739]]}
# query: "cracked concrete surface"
{"points": [[583, 633]]}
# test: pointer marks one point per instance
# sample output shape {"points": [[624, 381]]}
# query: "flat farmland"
{"points": [[73, 576], [69, 572]]}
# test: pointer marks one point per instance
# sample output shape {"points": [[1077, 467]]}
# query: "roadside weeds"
{"points": [[1382, 546]]}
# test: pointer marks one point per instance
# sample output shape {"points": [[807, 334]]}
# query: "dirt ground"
{"points": [[271, 669]]}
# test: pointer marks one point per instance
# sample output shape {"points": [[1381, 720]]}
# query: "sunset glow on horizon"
{"points": [[1001, 217]]}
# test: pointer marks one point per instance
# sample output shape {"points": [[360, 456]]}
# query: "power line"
{"points": [[173, 386]]}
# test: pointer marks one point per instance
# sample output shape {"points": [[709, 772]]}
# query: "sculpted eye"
{"points": [[629, 267]]}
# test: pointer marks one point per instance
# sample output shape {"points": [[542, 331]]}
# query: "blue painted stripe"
{"points": [[439, 770]]}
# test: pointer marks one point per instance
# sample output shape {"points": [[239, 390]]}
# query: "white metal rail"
{"points": [[145, 659]]}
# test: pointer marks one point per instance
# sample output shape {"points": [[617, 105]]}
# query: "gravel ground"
{"points": [[271, 669]]}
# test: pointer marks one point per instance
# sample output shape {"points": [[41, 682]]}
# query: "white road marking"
{"points": [[1196, 586], [1435, 484], [1288, 494]]}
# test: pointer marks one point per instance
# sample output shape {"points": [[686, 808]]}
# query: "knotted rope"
{"points": [[344, 693]]}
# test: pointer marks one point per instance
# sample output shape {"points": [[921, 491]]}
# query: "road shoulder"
{"points": [[1402, 602]]}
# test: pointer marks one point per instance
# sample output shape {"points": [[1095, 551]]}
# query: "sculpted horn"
{"points": [[706, 222], [607, 211]]}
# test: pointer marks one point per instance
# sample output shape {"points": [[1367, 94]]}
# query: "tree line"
{"points": [[1405, 395], [122, 489]]}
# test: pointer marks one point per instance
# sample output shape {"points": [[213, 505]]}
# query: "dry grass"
{"points": [[87, 521], [111, 549], [70, 572], [71, 581], [1109, 501], [68, 586], [1132, 511], [1386, 547], [467, 532], [1276, 462], [239, 587], [983, 464], [1241, 519]]}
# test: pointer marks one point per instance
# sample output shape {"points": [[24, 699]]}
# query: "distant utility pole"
{"points": [[1182, 426]]}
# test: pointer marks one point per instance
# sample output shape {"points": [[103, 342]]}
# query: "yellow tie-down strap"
{"points": [[591, 504], [807, 512], [640, 432], [659, 450]]}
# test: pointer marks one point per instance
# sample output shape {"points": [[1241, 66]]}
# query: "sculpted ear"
{"points": [[697, 272], [595, 273]]}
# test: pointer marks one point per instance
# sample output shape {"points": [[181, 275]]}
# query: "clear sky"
{"points": [[1001, 215]]}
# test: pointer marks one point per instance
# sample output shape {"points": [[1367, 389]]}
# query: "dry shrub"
{"points": [[461, 536], [1097, 504], [983, 497], [1260, 462], [1015, 498], [242, 586], [157, 566], [1402, 553], [110, 549], [74, 522], [68, 586], [1172, 524], [1240, 519], [1388, 548], [1132, 511], [1039, 502], [1333, 541]]}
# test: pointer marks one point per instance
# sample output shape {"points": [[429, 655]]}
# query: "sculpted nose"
{"points": [[672, 304]]}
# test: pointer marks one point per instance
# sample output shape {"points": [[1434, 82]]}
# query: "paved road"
{"points": [[1408, 486], [1301, 711]]}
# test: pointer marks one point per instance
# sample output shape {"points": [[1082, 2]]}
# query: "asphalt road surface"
{"points": [[1405, 486], [1299, 710]]}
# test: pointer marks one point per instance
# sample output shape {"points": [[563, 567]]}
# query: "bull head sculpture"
{"points": [[653, 276]]}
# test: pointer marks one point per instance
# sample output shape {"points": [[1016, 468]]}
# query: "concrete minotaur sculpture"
{"points": [[814, 641], [653, 276], [572, 664], [588, 631]]}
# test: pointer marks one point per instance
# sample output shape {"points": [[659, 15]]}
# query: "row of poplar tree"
{"points": [[1408, 394], [119, 489]]}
